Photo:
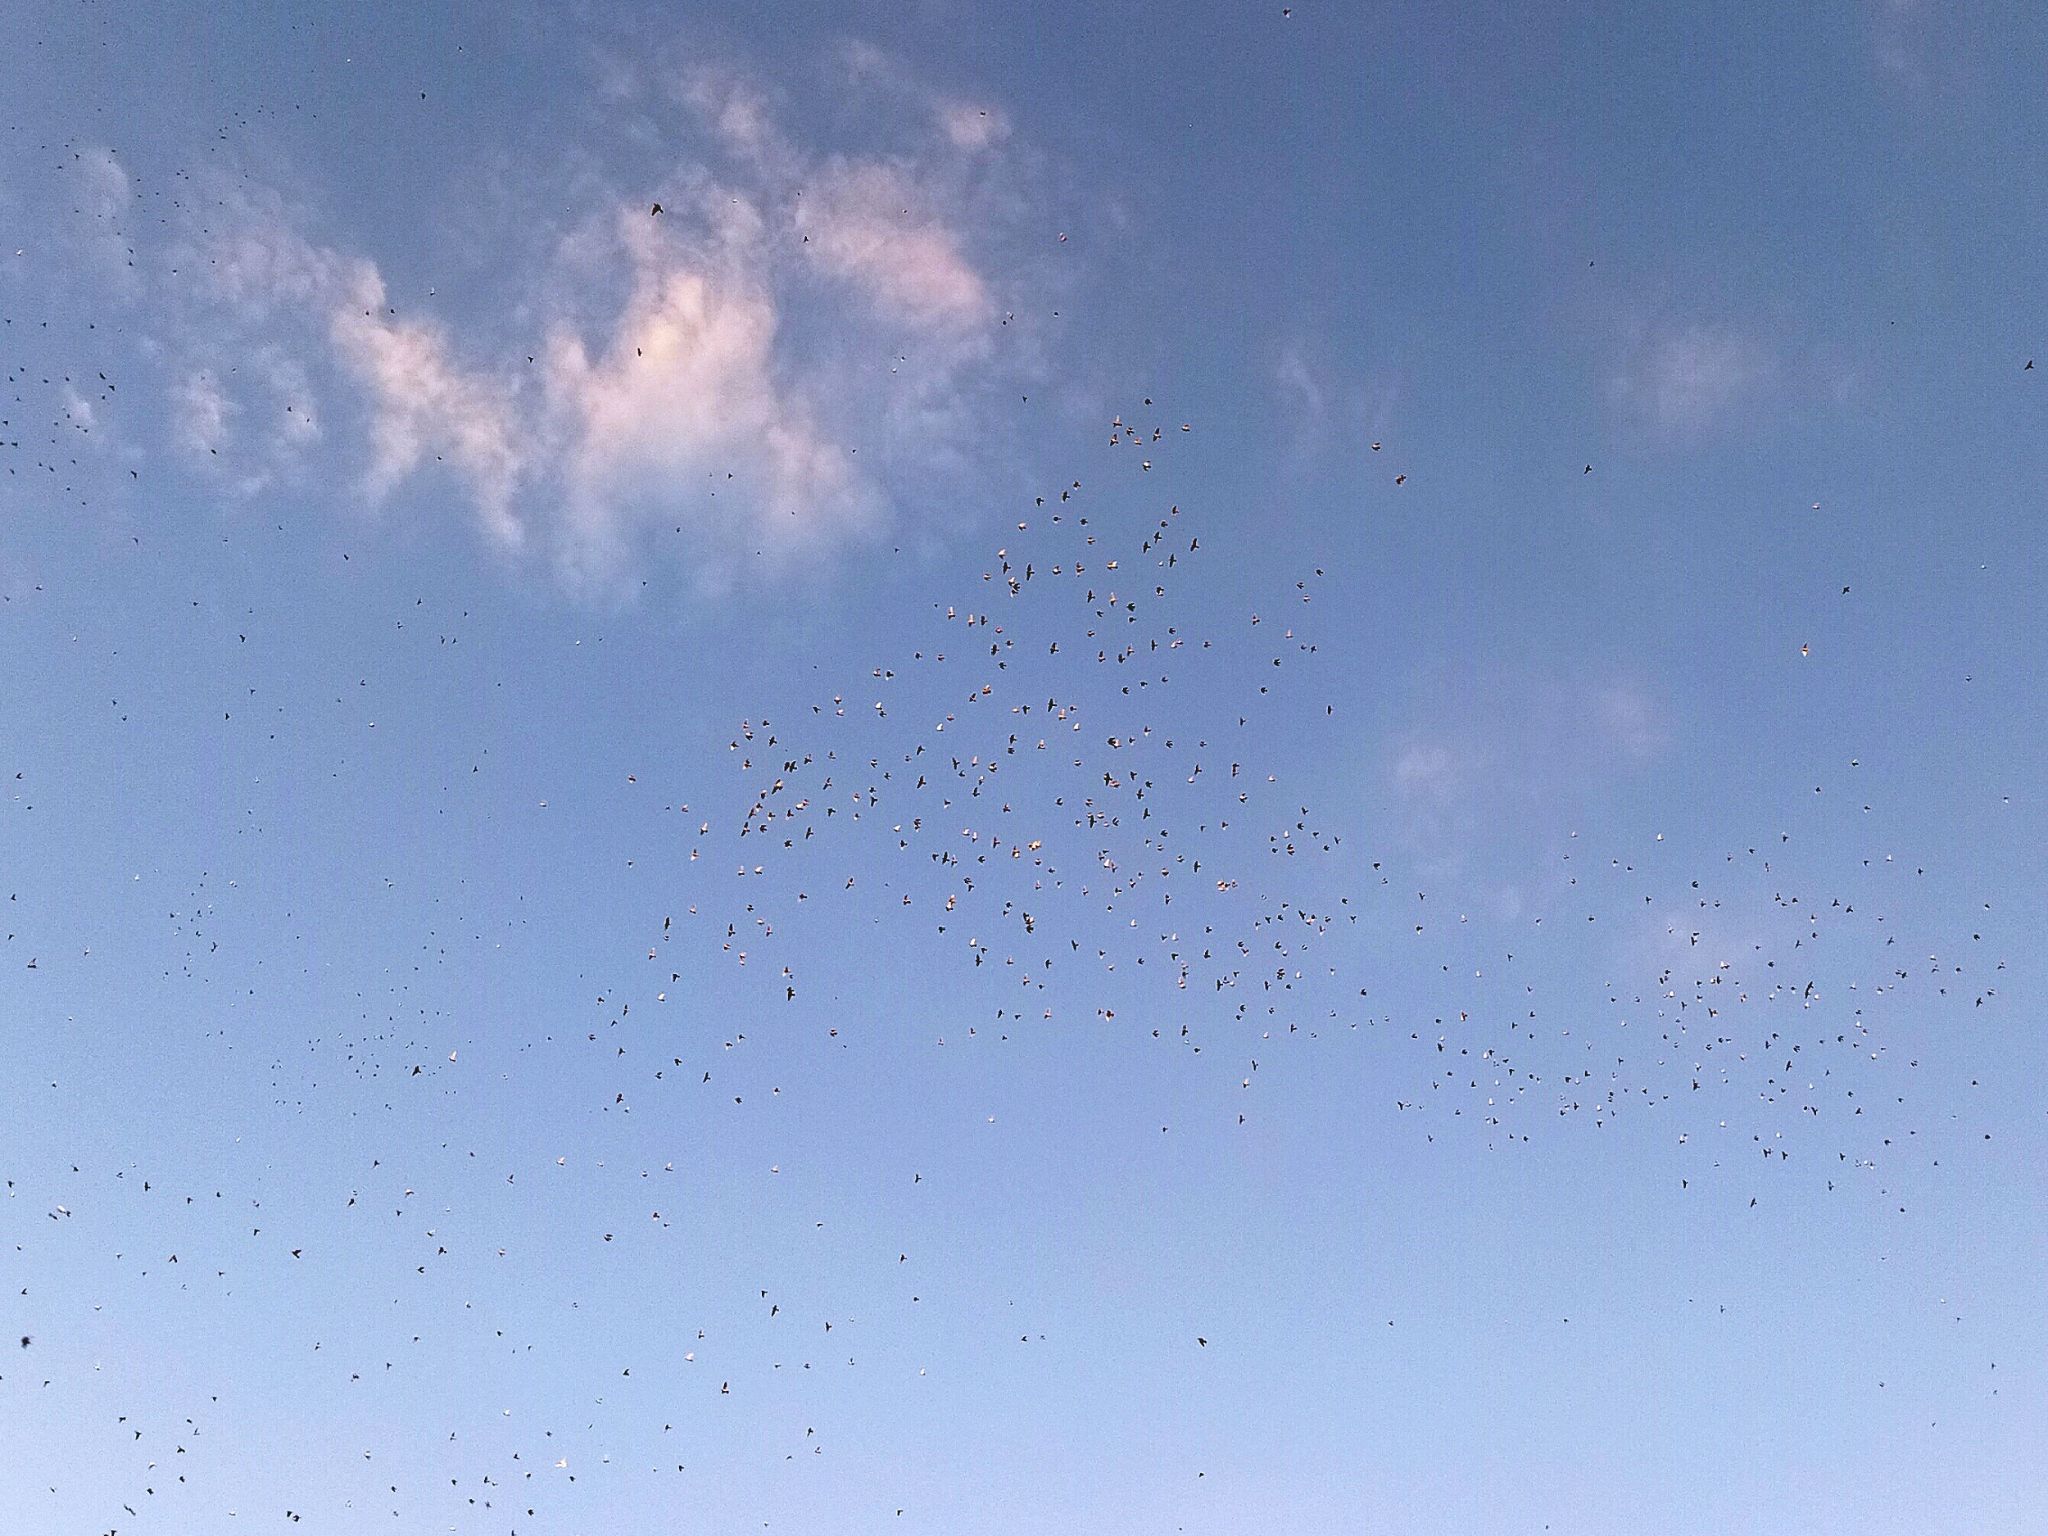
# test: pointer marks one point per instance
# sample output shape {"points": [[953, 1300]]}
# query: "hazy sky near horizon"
{"points": [[962, 768]]}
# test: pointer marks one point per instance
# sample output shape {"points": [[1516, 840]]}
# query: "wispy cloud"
{"points": [[971, 125], [863, 225], [201, 413], [683, 406], [739, 111], [247, 420], [1686, 379], [1489, 749], [758, 349], [103, 206], [422, 399], [1899, 40], [1322, 405], [78, 411]]}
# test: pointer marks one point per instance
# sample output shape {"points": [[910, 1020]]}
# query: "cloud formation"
{"points": [[972, 126], [1899, 33], [422, 400], [1686, 379], [1492, 748], [685, 396], [246, 424], [200, 413], [759, 348], [103, 205], [1322, 406], [862, 225]]}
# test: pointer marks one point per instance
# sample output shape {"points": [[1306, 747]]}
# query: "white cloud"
{"points": [[267, 278], [972, 126], [862, 223], [1427, 770], [684, 403], [1687, 379], [103, 201], [200, 412], [78, 411], [1626, 720], [1323, 406], [1898, 40], [739, 112], [1302, 389], [1490, 750], [297, 425], [760, 365], [257, 263], [421, 400], [247, 418]]}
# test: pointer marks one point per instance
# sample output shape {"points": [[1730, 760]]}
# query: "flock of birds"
{"points": [[1085, 771], [1095, 837], [1092, 835]]}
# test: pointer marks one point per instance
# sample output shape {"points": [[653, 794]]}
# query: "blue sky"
{"points": [[527, 774]]}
